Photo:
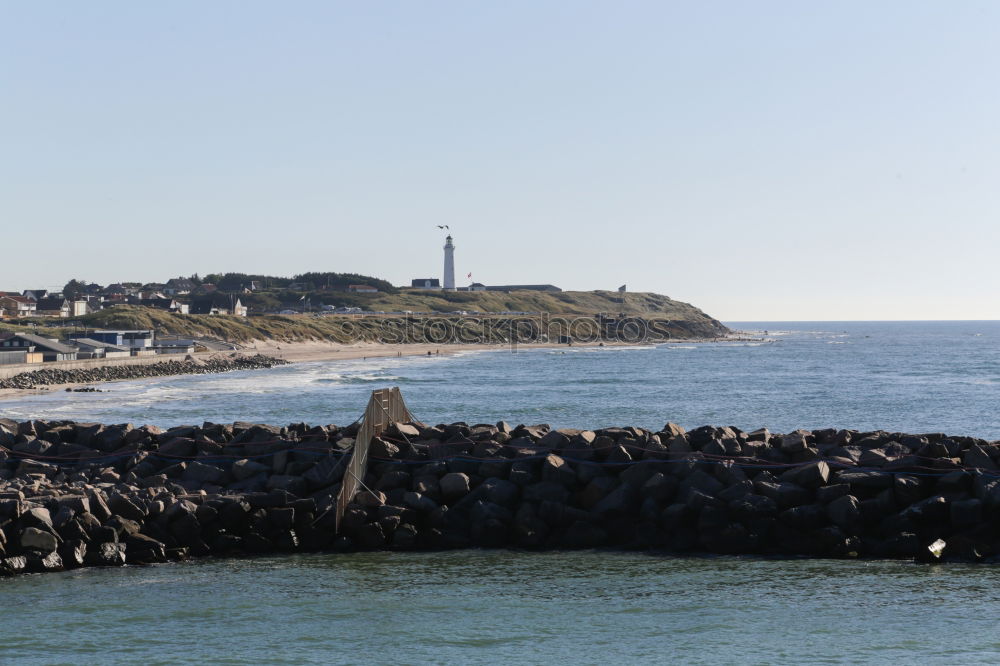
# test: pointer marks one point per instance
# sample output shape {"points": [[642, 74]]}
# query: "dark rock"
{"points": [[546, 491], [812, 475], [36, 539], [865, 479], [245, 469], [126, 508], [454, 485], [805, 517], [44, 562], [202, 473], [827, 494], [845, 512], [700, 481], [141, 549], [557, 470], [977, 457], [108, 554], [583, 534], [73, 553]]}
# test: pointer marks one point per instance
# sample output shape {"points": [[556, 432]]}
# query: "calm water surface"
{"points": [[482, 607], [581, 607]]}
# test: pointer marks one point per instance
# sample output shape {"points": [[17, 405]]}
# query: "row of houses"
{"points": [[31, 348], [41, 303]]}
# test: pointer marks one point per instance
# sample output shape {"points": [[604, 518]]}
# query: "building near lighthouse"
{"points": [[449, 265], [447, 283]]}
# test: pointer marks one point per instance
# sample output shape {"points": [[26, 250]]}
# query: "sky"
{"points": [[762, 160]]}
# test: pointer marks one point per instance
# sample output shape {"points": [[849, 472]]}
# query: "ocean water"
{"points": [[497, 607], [897, 376], [580, 607]]}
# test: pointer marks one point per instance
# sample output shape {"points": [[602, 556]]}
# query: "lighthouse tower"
{"points": [[449, 265]]}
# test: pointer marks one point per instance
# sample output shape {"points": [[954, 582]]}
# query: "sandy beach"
{"points": [[299, 352]]}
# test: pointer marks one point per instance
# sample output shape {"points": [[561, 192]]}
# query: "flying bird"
{"points": [[443, 226]]}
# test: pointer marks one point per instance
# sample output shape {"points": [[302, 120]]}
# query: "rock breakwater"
{"points": [[50, 376], [81, 494]]}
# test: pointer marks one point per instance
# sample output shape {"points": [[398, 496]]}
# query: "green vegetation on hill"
{"points": [[560, 302], [310, 281], [685, 320]]}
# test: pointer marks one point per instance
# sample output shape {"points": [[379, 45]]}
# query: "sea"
{"points": [[587, 607]]}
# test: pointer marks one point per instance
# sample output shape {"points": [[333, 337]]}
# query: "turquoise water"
{"points": [[580, 607], [479, 607]]}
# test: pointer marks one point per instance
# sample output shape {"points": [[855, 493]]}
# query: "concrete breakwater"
{"points": [[79, 494], [191, 366]]}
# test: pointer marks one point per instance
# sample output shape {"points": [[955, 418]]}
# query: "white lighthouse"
{"points": [[449, 265]]}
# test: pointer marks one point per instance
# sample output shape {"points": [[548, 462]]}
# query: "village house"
{"points": [[218, 304], [166, 304], [130, 339], [52, 307], [90, 348], [362, 289], [51, 350], [16, 305], [119, 289], [84, 306], [35, 294], [205, 288], [19, 355], [426, 283], [179, 286], [174, 347]]}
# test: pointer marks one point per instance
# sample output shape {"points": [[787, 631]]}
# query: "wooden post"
{"points": [[385, 407]]}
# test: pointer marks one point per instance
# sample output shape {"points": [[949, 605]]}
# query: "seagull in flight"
{"points": [[443, 226]]}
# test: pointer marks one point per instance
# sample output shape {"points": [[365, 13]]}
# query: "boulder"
{"points": [[202, 473], [794, 442], [73, 553], [35, 539], [244, 469], [127, 508], [844, 512], [977, 457], [107, 554], [454, 485], [142, 549], [294, 485], [811, 475], [557, 470], [42, 563]]}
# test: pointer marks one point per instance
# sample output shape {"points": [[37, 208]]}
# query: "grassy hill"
{"points": [[684, 319], [563, 302]]}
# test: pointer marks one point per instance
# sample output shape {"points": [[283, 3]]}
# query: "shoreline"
{"points": [[314, 351]]}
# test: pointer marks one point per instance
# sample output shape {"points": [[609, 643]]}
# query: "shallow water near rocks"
{"points": [[478, 607]]}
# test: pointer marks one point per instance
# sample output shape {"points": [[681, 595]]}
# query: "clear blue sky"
{"points": [[762, 160]]}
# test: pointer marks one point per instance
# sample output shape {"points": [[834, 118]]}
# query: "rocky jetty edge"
{"points": [[83, 494], [110, 373]]}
